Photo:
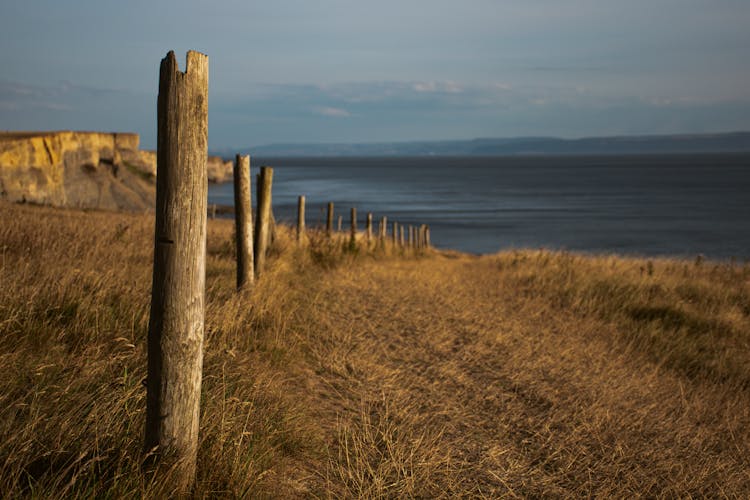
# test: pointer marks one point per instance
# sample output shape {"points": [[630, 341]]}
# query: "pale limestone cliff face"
{"points": [[75, 169], [83, 169]]}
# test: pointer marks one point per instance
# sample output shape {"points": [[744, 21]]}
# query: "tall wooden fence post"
{"points": [[243, 221], [369, 227], [263, 225], [354, 226], [383, 228], [341, 223], [329, 220], [401, 236], [427, 236], [395, 233], [300, 218], [175, 330]]}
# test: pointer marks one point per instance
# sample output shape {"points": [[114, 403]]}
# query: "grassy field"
{"points": [[367, 374]]}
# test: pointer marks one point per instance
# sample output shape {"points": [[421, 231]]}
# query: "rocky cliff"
{"points": [[83, 169]]}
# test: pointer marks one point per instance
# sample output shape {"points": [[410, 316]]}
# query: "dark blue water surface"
{"points": [[643, 205]]}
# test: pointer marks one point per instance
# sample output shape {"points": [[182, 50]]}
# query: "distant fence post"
{"points": [[341, 223], [263, 225], [383, 228], [354, 225], [411, 236], [329, 219], [401, 237], [427, 236], [243, 221], [369, 227], [395, 233], [300, 218], [175, 330]]}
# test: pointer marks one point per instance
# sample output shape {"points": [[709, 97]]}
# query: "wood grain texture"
{"points": [[243, 219], [175, 336]]}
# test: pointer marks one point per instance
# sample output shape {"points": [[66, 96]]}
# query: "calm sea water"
{"points": [[641, 205]]}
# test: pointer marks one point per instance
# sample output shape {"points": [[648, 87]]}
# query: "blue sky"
{"points": [[363, 71]]}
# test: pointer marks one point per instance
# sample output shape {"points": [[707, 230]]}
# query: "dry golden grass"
{"points": [[354, 373]]}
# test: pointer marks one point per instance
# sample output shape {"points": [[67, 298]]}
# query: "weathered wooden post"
{"points": [[369, 227], [354, 226], [395, 233], [257, 200], [329, 220], [175, 329], [300, 218], [243, 221], [383, 228], [213, 211], [263, 225], [401, 238], [411, 236], [341, 223], [427, 236], [271, 227]]}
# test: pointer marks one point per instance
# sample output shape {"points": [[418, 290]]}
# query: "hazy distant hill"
{"points": [[656, 144]]}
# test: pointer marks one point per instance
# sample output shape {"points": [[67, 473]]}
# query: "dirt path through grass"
{"points": [[439, 380]]}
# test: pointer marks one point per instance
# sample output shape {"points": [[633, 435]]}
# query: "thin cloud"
{"points": [[448, 87], [332, 112], [18, 97]]}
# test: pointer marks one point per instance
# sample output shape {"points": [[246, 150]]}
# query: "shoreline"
{"points": [[226, 212]]}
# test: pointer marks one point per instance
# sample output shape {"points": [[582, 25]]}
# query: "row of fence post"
{"points": [[176, 321], [419, 237], [252, 240]]}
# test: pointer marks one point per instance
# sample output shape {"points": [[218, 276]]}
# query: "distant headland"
{"points": [[733, 142]]}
